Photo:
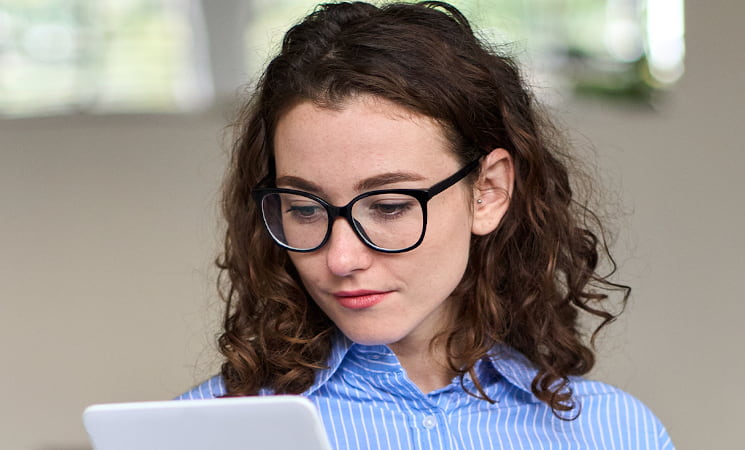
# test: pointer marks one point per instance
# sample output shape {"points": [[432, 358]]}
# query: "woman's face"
{"points": [[370, 144]]}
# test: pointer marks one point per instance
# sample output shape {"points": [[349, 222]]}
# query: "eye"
{"points": [[387, 208], [391, 209], [304, 211]]}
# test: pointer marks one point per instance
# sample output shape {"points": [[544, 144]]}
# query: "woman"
{"points": [[404, 247]]}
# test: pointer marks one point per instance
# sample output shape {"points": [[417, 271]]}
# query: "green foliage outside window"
{"points": [[104, 55], [62, 56]]}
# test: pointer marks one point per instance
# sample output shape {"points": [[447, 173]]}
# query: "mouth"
{"points": [[360, 299]]}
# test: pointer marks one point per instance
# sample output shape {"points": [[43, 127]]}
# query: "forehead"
{"points": [[365, 136]]}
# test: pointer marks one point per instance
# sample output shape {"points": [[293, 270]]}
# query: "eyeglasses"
{"points": [[388, 220]]}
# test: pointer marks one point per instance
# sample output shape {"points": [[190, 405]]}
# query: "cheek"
{"points": [[443, 256], [449, 224], [307, 265]]}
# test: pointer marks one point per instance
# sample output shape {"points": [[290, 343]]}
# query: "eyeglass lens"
{"points": [[390, 221]]}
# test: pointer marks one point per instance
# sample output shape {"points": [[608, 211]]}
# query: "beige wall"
{"points": [[682, 170], [108, 228]]}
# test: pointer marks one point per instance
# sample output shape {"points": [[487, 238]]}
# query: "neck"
{"points": [[427, 368]]}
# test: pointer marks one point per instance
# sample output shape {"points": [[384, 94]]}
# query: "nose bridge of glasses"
{"points": [[348, 232], [345, 212]]}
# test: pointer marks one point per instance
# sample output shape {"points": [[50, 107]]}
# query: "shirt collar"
{"points": [[515, 367], [340, 346], [505, 360]]}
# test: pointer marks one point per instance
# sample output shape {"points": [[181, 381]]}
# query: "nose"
{"points": [[345, 252]]}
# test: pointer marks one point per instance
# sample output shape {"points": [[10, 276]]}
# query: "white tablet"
{"points": [[243, 423]]}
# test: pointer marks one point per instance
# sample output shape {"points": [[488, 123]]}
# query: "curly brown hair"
{"points": [[526, 282]]}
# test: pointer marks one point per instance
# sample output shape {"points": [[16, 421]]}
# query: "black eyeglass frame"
{"points": [[333, 212]]}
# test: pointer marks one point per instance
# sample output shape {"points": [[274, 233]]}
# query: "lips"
{"points": [[360, 299]]}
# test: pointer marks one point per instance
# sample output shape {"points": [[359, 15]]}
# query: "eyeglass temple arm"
{"points": [[454, 178]]}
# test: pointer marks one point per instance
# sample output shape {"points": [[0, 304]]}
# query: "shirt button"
{"points": [[429, 422]]}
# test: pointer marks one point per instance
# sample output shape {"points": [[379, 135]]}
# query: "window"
{"points": [[611, 48], [62, 56], [98, 55]]}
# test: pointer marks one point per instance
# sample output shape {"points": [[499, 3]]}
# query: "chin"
{"points": [[371, 338]]}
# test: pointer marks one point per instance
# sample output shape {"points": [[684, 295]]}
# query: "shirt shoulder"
{"points": [[215, 386], [624, 419], [611, 417], [212, 388]]}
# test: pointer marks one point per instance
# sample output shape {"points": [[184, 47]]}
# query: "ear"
{"points": [[492, 191]]}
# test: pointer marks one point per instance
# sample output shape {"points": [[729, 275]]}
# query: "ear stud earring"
{"points": [[479, 201]]}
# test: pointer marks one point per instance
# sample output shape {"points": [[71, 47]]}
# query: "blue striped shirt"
{"points": [[366, 401]]}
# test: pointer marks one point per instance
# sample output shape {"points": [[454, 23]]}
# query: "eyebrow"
{"points": [[379, 181], [368, 184]]}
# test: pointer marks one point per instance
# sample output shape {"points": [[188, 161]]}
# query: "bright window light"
{"points": [[63, 56], [665, 39]]}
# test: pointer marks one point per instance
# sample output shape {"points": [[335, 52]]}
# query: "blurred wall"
{"points": [[109, 225], [108, 228], [681, 172]]}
